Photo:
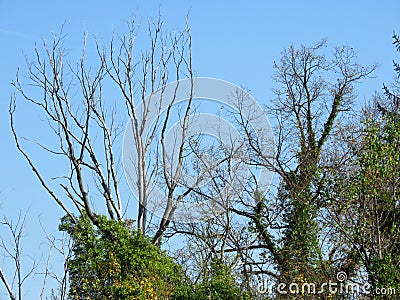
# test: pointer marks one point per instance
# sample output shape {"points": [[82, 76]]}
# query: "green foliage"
{"points": [[300, 251], [386, 272], [220, 285], [376, 191], [112, 261], [366, 206]]}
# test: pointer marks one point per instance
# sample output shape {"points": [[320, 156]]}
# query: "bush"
{"points": [[113, 261], [220, 285]]}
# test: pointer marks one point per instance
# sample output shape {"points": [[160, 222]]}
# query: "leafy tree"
{"points": [[378, 191], [380, 175], [366, 209], [220, 284], [113, 261]]}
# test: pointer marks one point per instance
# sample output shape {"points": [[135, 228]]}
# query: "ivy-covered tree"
{"points": [[113, 261], [314, 92], [278, 234]]}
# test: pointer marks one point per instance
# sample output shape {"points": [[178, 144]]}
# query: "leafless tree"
{"points": [[61, 247], [72, 123], [173, 51], [7, 285], [75, 101], [12, 250]]}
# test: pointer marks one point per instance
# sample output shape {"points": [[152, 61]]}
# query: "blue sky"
{"points": [[236, 41]]}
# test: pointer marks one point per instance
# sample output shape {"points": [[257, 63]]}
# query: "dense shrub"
{"points": [[113, 261]]}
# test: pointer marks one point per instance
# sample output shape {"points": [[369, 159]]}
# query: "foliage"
{"points": [[378, 192], [112, 261], [386, 272], [379, 189], [220, 285], [367, 208]]}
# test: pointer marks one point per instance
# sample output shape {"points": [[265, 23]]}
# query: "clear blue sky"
{"points": [[232, 40]]}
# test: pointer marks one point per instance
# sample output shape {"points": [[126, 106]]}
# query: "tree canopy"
{"points": [[331, 209]]}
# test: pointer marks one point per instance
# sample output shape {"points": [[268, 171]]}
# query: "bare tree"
{"points": [[73, 98], [7, 285], [72, 123], [13, 250], [61, 247], [147, 122]]}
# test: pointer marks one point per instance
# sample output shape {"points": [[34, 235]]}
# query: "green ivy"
{"points": [[113, 261]]}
